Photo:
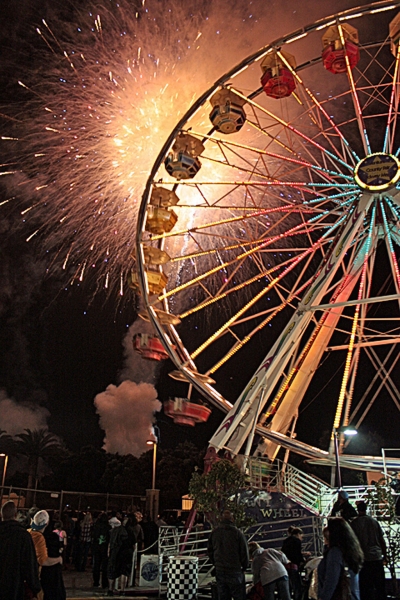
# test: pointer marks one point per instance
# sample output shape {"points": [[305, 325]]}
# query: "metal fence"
{"points": [[75, 501], [305, 489], [174, 542]]}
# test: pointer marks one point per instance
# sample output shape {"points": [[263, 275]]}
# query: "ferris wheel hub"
{"points": [[377, 172]]}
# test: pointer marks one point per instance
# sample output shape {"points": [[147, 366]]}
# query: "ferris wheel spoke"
{"points": [[316, 105], [393, 107], [230, 145], [391, 252], [258, 296], [240, 343], [354, 95], [261, 275], [226, 264], [299, 229], [384, 375], [287, 126]]}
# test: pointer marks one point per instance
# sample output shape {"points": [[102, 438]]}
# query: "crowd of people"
{"points": [[34, 551], [36, 547], [351, 567]]}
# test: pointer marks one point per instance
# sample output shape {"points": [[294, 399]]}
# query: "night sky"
{"points": [[61, 345]]}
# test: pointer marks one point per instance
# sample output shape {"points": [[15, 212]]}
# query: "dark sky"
{"points": [[59, 345]]}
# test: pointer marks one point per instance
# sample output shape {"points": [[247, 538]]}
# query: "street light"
{"points": [[336, 432], [154, 442], [3, 478], [153, 496]]}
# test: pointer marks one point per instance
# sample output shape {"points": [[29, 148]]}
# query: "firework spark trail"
{"points": [[103, 96]]}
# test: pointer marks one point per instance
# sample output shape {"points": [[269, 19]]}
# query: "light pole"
{"points": [[3, 478], [336, 432], [153, 494]]}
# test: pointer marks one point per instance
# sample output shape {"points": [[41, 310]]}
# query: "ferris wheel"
{"points": [[269, 230]]}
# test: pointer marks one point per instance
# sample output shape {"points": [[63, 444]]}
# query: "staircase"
{"points": [[305, 489]]}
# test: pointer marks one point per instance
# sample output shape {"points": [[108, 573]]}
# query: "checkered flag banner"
{"points": [[182, 578]]}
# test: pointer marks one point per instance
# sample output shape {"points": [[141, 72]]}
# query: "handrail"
{"points": [[305, 489]]}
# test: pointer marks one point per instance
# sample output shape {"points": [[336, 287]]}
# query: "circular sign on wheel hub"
{"points": [[377, 172]]}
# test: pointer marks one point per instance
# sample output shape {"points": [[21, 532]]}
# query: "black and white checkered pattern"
{"points": [[182, 578]]}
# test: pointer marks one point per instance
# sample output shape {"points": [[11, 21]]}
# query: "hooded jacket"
{"points": [[18, 561], [227, 548]]}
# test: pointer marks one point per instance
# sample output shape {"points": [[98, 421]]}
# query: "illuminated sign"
{"points": [[377, 172]]}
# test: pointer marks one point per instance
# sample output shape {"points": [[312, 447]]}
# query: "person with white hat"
{"points": [[38, 525]]}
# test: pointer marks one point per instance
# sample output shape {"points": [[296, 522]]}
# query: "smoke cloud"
{"points": [[127, 410], [126, 414], [16, 416]]}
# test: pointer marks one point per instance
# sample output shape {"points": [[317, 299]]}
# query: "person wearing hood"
{"points": [[118, 537], [17, 557], [343, 508], [268, 566], [228, 552], [38, 525]]}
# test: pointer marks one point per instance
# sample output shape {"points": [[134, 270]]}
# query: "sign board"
{"points": [[149, 568]]}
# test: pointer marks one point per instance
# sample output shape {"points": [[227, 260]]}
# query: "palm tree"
{"points": [[37, 445], [6, 442]]}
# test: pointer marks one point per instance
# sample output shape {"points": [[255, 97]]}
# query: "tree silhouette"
{"points": [[37, 445], [6, 442], [219, 490]]}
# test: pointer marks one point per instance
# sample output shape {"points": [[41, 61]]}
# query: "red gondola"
{"points": [[149, 346], [185, 412]]}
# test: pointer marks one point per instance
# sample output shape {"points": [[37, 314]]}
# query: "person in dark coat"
{"points": [[100, 541], [292, 548], [121, 550], [343, 508], [18, 564], [228, 552], [51, 578], [150, 535], [370, 536]]}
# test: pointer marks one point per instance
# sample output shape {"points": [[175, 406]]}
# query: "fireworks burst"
{"points": [[106, 89]]}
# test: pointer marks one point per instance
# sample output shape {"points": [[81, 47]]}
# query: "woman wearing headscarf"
{"points": [[342, 560], [38, 525], [122, 541]]}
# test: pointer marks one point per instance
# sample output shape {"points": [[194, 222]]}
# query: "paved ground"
{"points": [[80, 585]]}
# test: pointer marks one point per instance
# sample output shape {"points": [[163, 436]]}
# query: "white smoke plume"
{"points": [[17, 416], [127, 410], [126, 415]]}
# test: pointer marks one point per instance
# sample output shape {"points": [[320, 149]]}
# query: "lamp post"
{"points": [[336, 432], [153, 494], [3, 478]]}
